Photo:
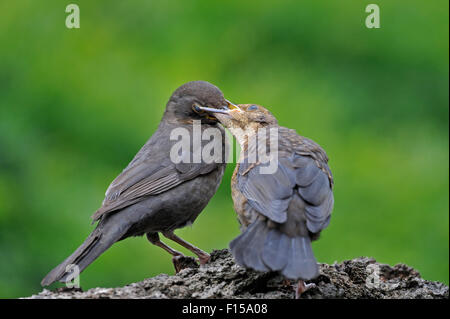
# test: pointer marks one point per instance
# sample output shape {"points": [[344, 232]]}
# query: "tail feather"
{"points": [[301, 261], [239, 245], [264, 249], [275, 248], [97, 242], [252, 255]]}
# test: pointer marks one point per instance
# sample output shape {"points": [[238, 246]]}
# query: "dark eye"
{"points": [[252, 108], [197, 109]]}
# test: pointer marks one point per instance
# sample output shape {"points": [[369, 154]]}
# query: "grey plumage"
{"points": [[257, 237], [104, 235], [153, 194], [301, 261]]}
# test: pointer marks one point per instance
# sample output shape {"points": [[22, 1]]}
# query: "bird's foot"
{"points": [[177, 262], [203, 256], [302, 287], [203, 259], [181, 262]]}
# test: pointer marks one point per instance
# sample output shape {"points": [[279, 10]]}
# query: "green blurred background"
{"points": [[76, 105]]}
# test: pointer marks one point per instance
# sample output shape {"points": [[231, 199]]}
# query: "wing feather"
{"points": [[302, 169], [164, 178]]}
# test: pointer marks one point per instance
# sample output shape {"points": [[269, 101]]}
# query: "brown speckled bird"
{"points": [[280, 212]]}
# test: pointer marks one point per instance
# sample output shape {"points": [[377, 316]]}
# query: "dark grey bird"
{"points": [[155, 193], [283, 208]]}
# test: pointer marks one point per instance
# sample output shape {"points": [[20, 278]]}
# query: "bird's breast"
{"points": [[246, 215]]}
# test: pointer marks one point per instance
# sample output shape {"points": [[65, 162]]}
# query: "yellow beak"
{"points": [[232, 106]]}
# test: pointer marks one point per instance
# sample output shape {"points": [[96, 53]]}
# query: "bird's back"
{"points": [[280, 213]]}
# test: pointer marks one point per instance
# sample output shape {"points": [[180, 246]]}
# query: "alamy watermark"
{"points": [[373, 19], [205, 145], [374, 280], [73, 276], [73, 17]]}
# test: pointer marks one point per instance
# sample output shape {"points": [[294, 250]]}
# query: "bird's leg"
{"points": [[302, 287], [203, 256], [154, 239]]}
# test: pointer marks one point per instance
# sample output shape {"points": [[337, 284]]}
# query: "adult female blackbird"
{"points": [[153, 193], [280, 210]]}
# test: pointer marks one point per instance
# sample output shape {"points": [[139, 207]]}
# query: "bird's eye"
{"points": [[252, 107], [197, 108]]}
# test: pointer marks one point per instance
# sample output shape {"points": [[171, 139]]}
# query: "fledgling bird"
{"points": [[153, 194], [282, 211]]}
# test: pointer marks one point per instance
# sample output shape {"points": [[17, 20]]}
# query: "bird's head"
{"points": [[187, 101], [243, 116], [243, 119]]}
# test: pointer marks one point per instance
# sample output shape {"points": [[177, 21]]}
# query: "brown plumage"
{"points": [[153, 194], [283, 211]]}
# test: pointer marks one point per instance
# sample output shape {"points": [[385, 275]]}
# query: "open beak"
{"points": [[232, 106], [229, 109]]}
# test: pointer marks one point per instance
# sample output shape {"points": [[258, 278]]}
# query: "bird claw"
{"points": [[204, 259], [181, 262], [178, 263], [302, 288]]}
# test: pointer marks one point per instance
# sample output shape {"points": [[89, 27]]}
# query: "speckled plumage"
{"points": [[280, 213]]}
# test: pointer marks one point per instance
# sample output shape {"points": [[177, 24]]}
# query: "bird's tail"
{"points": [[267, 249], [103, 236]]}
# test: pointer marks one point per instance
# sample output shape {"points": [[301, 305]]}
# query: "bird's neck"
{"points": [[252, 137], [243, 135]]}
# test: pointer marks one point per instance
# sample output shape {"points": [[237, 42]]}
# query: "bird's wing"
{"points": [[145, 178], [269, 194], [314, 185], [300, 170]]}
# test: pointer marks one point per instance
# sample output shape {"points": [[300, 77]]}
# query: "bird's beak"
{"points": [[232, 106], [229, 110], [226, 110], [213, 110]]}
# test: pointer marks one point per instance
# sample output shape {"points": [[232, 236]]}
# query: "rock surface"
{"points": [[222, 278]]}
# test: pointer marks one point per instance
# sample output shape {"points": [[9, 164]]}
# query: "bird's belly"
{"points": [[175, 208], [246, 215]]}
